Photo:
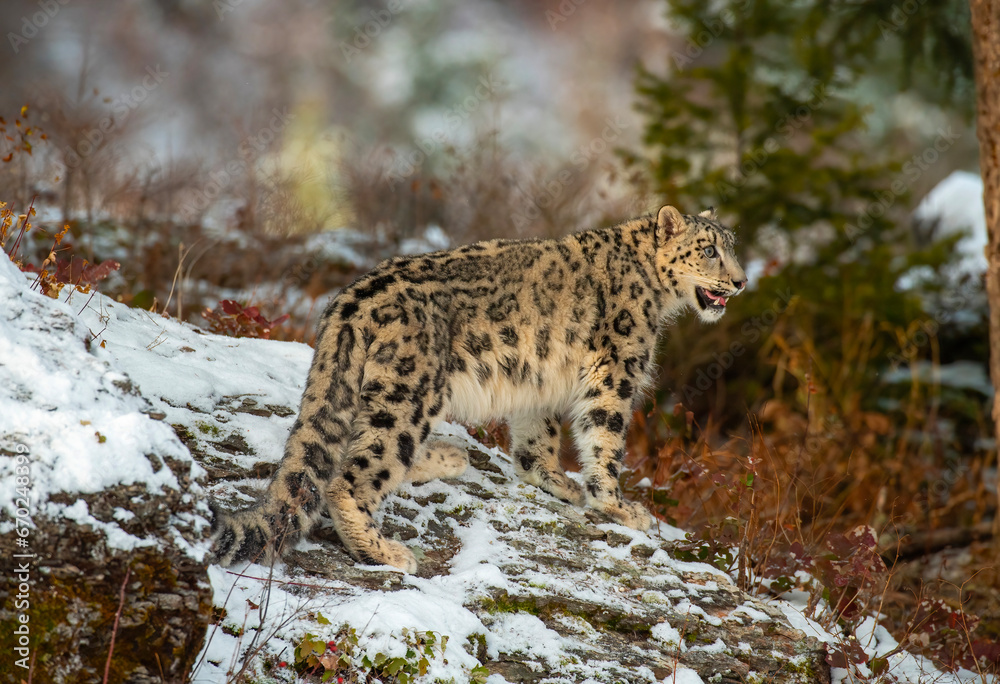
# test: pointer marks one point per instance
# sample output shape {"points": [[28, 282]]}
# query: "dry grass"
{"points": [[797, 489]]}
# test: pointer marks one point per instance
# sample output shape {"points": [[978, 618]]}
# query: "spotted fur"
{"points": [[529, 331]]}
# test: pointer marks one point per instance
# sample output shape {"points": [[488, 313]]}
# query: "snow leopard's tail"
{"points": [[296, 496]]}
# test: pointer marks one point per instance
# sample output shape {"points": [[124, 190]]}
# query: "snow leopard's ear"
{"points": [[669, 222], [710, 214]]}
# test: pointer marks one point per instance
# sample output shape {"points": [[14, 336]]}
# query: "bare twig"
{"points": [[114, 630], [24, 226], [87, 303], [159, 666], [181, 254]]}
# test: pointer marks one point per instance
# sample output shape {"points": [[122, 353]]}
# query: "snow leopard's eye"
{"points": [[710, 252]]}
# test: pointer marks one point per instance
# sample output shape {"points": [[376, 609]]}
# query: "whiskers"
{"points": [[709, 284]]}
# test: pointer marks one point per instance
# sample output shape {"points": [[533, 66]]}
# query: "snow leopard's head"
{"points": [[696, 262]]}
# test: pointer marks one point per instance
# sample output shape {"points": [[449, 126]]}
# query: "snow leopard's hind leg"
{"points": [[535, 447], [438, 459], [401, 401]]}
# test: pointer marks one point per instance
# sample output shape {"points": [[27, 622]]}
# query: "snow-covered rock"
{"points": [[93, 486], [130, 421], [953, 207], [434, 238]]}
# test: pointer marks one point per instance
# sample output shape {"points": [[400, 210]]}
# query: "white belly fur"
{"points": [[499, 398]]}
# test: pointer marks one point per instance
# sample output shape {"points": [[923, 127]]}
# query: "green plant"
{"points": [[758, 116], [341, 660], [479, 674]]}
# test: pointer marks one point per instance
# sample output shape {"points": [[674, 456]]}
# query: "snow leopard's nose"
{"points": [[739, 285]]}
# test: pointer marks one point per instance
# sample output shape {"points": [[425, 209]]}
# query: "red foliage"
{"points": [[944, 633], [846, 654], [79, 273], [848, 566], [235, 320]]}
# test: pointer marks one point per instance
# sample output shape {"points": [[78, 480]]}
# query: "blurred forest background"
{"points": [[233, 163]]}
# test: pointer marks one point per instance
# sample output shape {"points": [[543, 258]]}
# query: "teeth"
{"points": [[719, 301], [714, 299]]}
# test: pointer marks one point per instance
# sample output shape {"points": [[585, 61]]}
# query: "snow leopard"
{"points": [[531, 332]]}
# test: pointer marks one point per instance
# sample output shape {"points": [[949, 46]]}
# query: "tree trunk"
{"points": [[986, 47]]}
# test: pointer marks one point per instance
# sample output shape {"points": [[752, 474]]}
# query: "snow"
{"points": [[71, 408], [117, 538], [339, 245], [434, 238], [752, 613], [685, 675], [177, 366], [527, 635], [685, 607], [436, 603], [717, 646], [667, 634], [955, 206], [968, 375], [755, 268], [796, 618]]}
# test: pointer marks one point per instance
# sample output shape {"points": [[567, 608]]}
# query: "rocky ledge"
{"points": [[128, 422]]}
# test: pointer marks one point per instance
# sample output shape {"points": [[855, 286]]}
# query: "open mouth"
{"points": [[708, 299]]}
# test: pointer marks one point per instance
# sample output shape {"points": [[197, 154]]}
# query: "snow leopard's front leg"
{"points": [[600, 425]]}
